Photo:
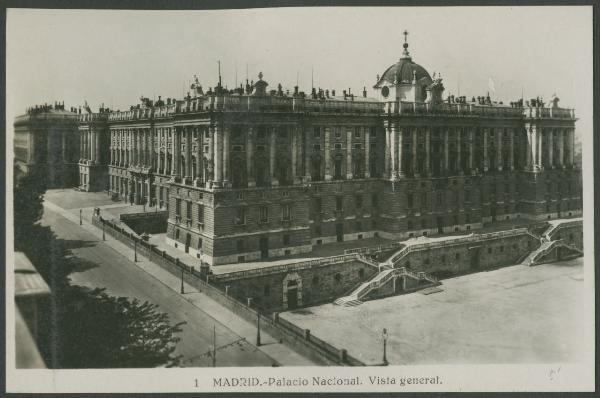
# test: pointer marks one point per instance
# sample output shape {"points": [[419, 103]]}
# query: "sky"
{"points": [[114, 57]]}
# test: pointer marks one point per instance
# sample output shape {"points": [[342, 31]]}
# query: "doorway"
{"points": [[188, 240], [292, 295], [339, 232], [475, 253], [264, 247], [399, 285], [440, 225]]}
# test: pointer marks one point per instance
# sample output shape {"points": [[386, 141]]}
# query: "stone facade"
{"points": [[249, 174], [276, 290], [93, 156], [45, 142], [306, 284]]}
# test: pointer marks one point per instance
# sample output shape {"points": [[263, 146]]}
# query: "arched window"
{"points": [[337, 169], [194, 162], [238, 172], [316, 168], [373, 167], [262, 169], [283, 171], [358, 169]]}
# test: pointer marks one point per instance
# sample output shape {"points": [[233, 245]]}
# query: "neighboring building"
{"points": [[46, 141], [252, 173], [32, 297], [93, 149]]}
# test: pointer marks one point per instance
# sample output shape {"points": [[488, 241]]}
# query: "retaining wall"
{"points": [[300, 340]]}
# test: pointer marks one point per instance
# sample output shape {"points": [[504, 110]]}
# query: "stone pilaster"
{"points": [[367, 131], [272, 150], [349, 173], [250, 157], [328, 174]]}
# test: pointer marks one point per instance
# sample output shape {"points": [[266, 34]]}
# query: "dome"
{"points": [[402, 72]]}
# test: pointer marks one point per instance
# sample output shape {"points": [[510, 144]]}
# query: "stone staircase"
{"points": [[545, 246], [383, 277]]}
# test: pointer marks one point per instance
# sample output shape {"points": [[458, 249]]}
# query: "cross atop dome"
{"points": [[405, 53]]}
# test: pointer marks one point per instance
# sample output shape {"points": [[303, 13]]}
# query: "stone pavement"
{"points": [[279, 352], [516, 314]]}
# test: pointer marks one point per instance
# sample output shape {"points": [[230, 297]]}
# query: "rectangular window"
{"points": [[338, 146], [357, 146], [188, 211], [440, 198], [316, 132], [286, 213], [240, 245], [318, 205], [317, 147], [357, 132], [339, 201], [199, 243], [178, 207], [264, 214], [338, 132], [201, 214], [286, 239], [359, 201], [240, 216], [374, 201], [373, 132], [409, 200]]}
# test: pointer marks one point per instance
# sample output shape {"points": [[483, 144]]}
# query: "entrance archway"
{"points": [[292, 291]]}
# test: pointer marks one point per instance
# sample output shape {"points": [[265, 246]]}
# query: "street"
{"points": [[102, 266]]}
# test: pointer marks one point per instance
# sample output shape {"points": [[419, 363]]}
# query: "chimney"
{"points": [[365, 92], [333, 93]]}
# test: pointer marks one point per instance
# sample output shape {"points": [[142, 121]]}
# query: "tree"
{"points": [[28, 203], [101, 331]]}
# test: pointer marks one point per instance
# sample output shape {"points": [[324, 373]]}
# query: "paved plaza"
{"points": [[516, 314]]}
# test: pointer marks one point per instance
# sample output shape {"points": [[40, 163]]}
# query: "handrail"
{"points": [[396, 257], [556, 227], [382, 278], [296, 266]]}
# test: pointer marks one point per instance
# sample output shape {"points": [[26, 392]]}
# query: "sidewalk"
{"points": [[271, 347]]}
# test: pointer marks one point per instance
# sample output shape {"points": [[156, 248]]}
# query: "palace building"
{"points": [[45, 142], [254, 173]]}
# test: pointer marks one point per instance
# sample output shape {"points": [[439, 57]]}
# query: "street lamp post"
{"points": [[135, 250], [103, 233], [257, 329], [385, 337], [182, 291], [80, 217]]}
